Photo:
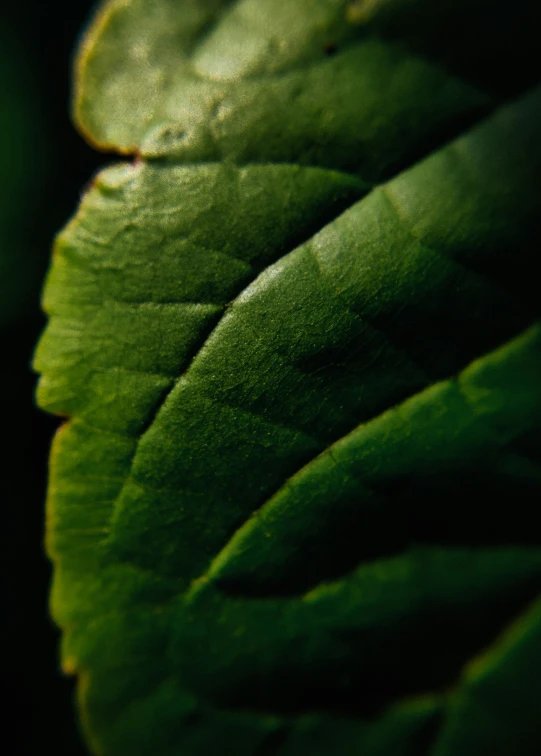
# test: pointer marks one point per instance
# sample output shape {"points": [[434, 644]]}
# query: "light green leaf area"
{"points": [[293, 509]]}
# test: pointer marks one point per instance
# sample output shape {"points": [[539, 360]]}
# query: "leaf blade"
{"points": [[215, 327]]}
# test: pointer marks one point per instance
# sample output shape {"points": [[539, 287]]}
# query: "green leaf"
{"points": [[293, 507]]}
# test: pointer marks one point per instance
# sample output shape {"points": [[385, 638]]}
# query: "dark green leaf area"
{"points": [[483, 41], [326, 338], [292, 508], [496, 710], [395, 628], [172, 716], [440, 468]]}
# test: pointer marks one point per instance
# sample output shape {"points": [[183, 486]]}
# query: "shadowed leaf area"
{"points": [[292, 509]]}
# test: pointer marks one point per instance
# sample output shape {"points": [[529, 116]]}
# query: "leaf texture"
{"points": [[293, 507]]}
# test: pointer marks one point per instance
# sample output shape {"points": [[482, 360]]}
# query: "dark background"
{"points": [[44, 164]]}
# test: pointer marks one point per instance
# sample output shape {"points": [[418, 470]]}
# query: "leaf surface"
{"points": [[297, 340]]}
